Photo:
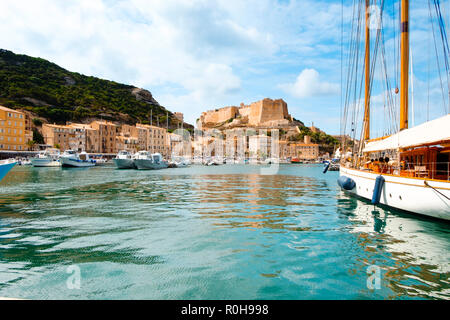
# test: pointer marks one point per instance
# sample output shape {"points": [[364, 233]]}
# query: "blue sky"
{"points": [[200, 54]]}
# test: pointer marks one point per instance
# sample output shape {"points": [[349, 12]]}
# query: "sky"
{"points": [[199, 55]]}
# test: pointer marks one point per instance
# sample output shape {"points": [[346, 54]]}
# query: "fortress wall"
{"points": [[244, 111], [273, 110], [220, 115]]}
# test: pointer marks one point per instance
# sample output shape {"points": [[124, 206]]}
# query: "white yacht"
{"points": [[71, 158], [181, 162], [47, 158], [124, 160], [146, 161]]}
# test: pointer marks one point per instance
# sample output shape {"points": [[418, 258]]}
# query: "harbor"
{"points": [[222, 232], [206, 150]]}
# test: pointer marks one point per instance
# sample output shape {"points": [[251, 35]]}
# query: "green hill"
{"points": [[58, 95]]}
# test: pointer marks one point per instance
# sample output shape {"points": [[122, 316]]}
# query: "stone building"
{"points": [[302, 151], [156, 139], [92, 137], [64, 136], [107, 135], [264, 113]]}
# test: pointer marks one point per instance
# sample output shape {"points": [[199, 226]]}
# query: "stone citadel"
{"points": [[264, 113]]}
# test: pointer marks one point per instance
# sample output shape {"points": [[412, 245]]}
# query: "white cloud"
{"points": [[309, 84]]}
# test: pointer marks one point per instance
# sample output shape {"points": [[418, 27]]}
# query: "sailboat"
{"points": [[408, 170], [5, 167]]}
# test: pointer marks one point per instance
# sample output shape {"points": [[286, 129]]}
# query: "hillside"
{"points": [[58, 95]]}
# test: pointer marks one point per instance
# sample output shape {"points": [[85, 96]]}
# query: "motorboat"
{"points": [[23, 161], [5, 167], [124, 160], [101, 161], [47, 158], [71, 158], [144, 160], [180, 162]]}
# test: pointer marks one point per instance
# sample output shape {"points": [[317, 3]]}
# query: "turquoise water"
{"points": [[224, 232]]}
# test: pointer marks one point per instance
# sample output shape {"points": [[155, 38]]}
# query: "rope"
{"points": [[426, 183]]}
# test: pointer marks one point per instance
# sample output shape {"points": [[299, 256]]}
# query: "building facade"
{"points": [[13, 133]]}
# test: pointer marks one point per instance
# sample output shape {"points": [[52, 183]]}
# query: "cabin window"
{"points": [[442, 164]]}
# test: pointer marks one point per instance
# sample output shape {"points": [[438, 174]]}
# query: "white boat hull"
{"points": [[75, 163], [408, 194], [124, 163], [45, 163]]}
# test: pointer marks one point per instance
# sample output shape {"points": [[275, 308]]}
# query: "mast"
{"points": [[367, 77], [404, 47]]}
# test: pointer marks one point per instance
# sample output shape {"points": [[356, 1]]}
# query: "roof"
{"points": [[9, 110], [428, 133]]}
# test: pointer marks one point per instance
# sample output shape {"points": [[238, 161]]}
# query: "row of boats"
{"points": [[143, 160]]}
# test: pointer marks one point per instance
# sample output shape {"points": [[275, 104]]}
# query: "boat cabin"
{"points": [[431, 162]]}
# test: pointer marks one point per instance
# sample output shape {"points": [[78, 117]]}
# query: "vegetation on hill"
{"points": [[326, 142], [58, 95]]}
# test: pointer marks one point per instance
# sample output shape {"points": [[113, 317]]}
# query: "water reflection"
{"points": [[413, 251]]}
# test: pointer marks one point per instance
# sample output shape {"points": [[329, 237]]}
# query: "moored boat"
{"points": [[408, 170], [47, 158], [70, 158], [124, 160], [144, 160]]}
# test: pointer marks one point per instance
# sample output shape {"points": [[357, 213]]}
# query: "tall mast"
{"points": [[404, 46], [367, 77]]}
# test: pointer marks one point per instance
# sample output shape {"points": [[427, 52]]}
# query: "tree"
{"points": [[37, 122], [37, 136], [31, 144]]}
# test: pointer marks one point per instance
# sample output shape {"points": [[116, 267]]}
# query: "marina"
{"points": [[225, 150], [222, 232]]}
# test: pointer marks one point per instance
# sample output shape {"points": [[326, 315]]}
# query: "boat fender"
{"points": [[327, 166], [346, 183], [379, 182]]}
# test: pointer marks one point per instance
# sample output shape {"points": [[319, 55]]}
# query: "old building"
{"points": [[13, 133], [302, 151], [92, 137], [107, 135], [60, 136], [156, 139]]}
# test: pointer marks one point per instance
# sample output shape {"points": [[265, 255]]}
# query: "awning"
{"points": [[428, 133]]}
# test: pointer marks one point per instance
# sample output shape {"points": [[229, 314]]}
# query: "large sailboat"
{"points": [[409, 169]]}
